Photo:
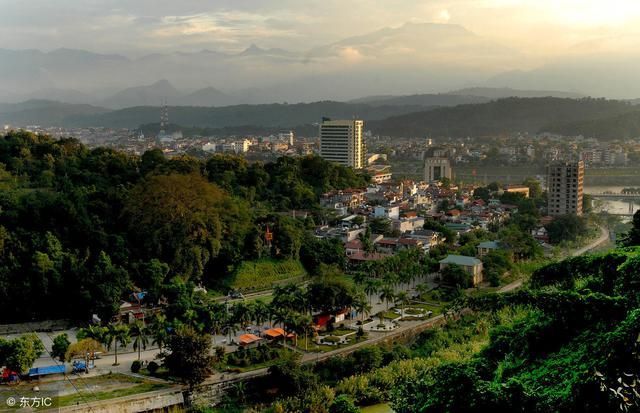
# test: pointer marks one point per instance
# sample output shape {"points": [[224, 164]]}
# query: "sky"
{"points": [[541, 28]]}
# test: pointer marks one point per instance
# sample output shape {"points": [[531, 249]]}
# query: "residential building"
{"points": [[565, 188], [471, 265], [342, 141], [436, 169], [486, 247], [391, 212]]}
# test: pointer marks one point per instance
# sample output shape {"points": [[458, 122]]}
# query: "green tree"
{"points": [[535, 189], [386, 294], [455, 276], [20, 353], [140, 337], [189, 356], [566, 228], [60, 345], [118, 335], [177, 218], [632, 237]]}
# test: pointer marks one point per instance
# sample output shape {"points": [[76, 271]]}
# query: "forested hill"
{"points": [[80, 229], [600, 118], [622, 126], [271, 115], [569, 116]]}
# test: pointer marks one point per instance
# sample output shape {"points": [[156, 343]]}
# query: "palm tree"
{"points": [[402, 298], [360, 303], [304, 325], [360, 277], [371, 287], [118, 335], [390, 279], [242, 314], [158, 330], [229, 326], [214, 320], [94, 332], [260, 312], [364, 308], [386, 295], [139, 331], [285, 318], [423, 288]]}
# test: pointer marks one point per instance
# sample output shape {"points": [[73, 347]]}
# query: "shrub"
{"points": [[135, 366], [343, 404], [153, 367]]}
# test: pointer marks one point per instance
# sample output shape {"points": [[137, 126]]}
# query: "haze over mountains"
{"points": [[409, 59]]}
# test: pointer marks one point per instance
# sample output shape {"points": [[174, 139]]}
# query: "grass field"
{"points": [[263, 274]]}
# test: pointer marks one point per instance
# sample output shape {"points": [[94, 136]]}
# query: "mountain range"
{"points": [[601, 118], [404, 60], [211, 108]]}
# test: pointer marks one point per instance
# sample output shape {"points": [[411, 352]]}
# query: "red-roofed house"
{"points": [[249, 340]]}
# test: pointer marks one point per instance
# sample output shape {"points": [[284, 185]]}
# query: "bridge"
{"points": [[610, 195], [630, 198]]}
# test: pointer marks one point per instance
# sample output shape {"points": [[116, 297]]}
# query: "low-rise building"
{"points": [[471, 265], [486, 247]]}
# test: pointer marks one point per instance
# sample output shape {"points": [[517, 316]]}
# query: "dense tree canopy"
{"points": [[79, 228]]}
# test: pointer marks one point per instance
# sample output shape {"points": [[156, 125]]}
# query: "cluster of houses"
{"points": [[406, 205]]}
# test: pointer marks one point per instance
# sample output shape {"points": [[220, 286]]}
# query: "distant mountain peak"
{"points": [[253, 49]]}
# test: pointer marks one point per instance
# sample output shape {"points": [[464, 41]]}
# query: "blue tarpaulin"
{"points": [[45, 371]]}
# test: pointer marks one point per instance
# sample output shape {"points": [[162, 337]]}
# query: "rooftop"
{"points": [[460, 260]]}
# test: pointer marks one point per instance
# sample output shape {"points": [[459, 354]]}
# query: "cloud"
{"points": [[442, 16]]}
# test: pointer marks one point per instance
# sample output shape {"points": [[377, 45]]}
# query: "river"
{"points": [[610, 205]]}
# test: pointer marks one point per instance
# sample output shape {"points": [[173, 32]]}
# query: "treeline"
{"points": [[275, 115], [505, 116], [80, 228]]}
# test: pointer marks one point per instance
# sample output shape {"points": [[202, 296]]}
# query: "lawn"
{"points": [[388, 315], [323, 348], [261, 275], [341, 332], [427, 307]]}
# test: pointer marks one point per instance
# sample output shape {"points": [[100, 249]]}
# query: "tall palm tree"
{"points": [[118, 336], [371, 287], [304, 325], [214, 320], [241, 313], [386, 295], [141, 339], [159, 330], [402, 298], [285, 318], [229, 327], [363, 308], [260, 312], [390, 279]]}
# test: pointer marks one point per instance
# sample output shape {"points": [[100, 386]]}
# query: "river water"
{"points": [[610, 205]]}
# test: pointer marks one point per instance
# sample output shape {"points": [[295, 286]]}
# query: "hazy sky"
{"points": [[541, 28]]}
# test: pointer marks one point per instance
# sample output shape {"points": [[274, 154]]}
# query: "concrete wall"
{"points": [[47, 325], [171, 400]]}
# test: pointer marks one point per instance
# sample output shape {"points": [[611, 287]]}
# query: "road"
{"points": [[604, 236]]}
